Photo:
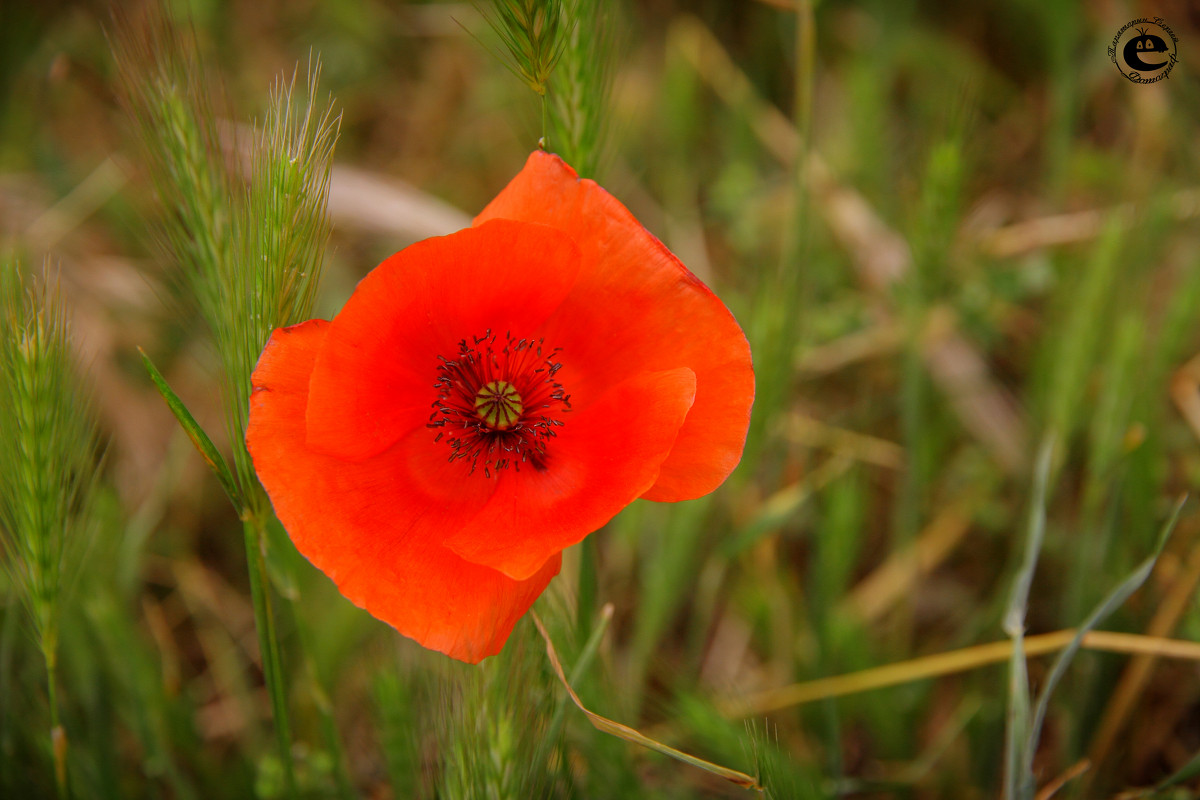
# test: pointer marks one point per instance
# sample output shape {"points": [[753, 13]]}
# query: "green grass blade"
{"points": [[1018, 784], [1185, 773], [1114, 600], [208, 451]]}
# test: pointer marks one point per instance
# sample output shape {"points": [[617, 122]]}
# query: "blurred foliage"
{"points": [[960, 231]]}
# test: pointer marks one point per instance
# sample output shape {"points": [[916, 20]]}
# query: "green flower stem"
{"points": [[589, 583], [254, 528]]}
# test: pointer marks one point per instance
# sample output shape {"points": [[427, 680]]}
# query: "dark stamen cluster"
{"points": [[499, 406]]}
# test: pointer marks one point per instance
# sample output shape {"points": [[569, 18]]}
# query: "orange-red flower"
{"points": [[488, 398]]}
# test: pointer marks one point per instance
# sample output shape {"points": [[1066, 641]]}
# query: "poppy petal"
{"points": [[711, 440], [375, 526], [603, 458], [669, 319], [374, 375]]}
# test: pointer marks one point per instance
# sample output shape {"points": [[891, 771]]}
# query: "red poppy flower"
{"points": [[488, 398]]}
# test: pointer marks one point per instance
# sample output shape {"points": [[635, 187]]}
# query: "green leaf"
{"points": [[208, 451]]}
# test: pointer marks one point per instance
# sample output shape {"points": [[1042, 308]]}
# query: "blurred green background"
{"points": [[950, 232]]}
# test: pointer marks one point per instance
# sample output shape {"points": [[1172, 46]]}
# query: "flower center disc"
{"points": [[498, 404]]}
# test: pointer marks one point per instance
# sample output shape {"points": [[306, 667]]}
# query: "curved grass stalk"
{"points": [[613, 728]]}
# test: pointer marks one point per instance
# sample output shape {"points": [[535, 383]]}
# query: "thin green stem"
{"points": [[268, 642], [806, 64], [588, 586], [329, 728], [545, 122], [58, 736], [333, 743], [798, 280]]}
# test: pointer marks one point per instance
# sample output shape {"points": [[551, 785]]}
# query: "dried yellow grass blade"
{"points": [[1074, 771], [810, 432], [627, 733], [1184, 387], [877, 593], [949, 663]]}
